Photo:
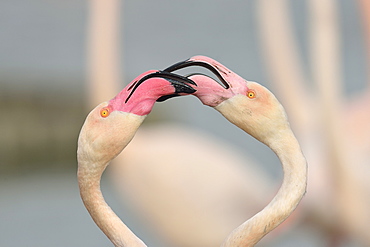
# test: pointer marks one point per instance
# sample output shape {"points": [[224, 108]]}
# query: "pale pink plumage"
{"points": [[254, 109]]}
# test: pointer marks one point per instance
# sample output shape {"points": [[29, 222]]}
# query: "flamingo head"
{"points": [[247, 104], [111, 125]]}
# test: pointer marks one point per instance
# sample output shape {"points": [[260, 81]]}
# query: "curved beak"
{"points": [[180, 83], [209, 91], [220, 71]]}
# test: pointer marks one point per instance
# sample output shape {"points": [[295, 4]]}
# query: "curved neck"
{"points": [[286, 200], [112, 226]]}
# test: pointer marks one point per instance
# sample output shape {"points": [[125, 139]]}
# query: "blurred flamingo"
{"points": [[193, 200], [328, 115], [103, 60]]}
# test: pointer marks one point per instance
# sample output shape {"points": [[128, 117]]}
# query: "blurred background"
{"points": [[61, 58]]}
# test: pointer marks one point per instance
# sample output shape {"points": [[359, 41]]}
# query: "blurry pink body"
{"points": [[189, 200]]}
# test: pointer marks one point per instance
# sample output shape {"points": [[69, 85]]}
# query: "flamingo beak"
{"points": [[190, 62], [180, 83]]}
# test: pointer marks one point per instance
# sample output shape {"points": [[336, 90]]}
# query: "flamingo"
{"points": [[270, 126], [107, 130], [254, 109], [191, 219]]}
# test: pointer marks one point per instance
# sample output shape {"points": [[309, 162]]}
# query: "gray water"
{"points": [[43, 210]]}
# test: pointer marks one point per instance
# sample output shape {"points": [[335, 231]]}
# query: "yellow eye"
{"points": [[251, 94], [104, 112]]}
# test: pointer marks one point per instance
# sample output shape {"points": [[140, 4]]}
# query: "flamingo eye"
{"points": [[251, 94], [104, 112]]}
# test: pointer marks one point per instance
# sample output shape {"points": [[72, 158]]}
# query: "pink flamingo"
{"points": [[255, 110], [106, 131], [202, 172], [193, 184], [246, 104]]}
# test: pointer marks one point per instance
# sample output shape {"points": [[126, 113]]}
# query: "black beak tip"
{"points": [[166, 97], [183, 88], [180, 88], [180, 83], [178, 65], [189, 63]]}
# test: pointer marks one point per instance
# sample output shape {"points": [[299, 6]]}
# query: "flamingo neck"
{"points": [[104, 217], [286, 200], [94, 154]]}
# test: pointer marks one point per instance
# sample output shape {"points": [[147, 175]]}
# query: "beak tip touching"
{"points": [[180, 89], [184, 85], [205, 62], [183, 88]]}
